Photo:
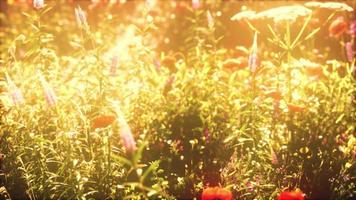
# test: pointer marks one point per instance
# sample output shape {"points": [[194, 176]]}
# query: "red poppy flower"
{"points": [[295, 108], [240, 51], [274, 94], [216, 193], [315, 71], [103, 121], [235, 64], [293, 195], [181, 6], [337, 27]]}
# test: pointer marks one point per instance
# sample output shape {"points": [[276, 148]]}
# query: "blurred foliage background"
{"points": [[199, 115]]}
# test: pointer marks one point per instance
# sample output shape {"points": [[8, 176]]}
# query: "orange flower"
{"points": [[235, 64], [295, 108], [103, 121], [293, 195], [213, 193], [315, 71], [240, 51], [337, 27], [274, 94]]}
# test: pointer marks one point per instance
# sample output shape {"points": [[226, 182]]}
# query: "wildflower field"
{"points": [[177, 99]]}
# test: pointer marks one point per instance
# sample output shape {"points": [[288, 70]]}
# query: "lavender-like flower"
{"points": [[196, 4], [48, 91], [125, 134], [81, 17], [349, 51], [353, 28], [210, 20], [38, 4], [15, 92], [127, 137], [113, 67], [253, 58]]}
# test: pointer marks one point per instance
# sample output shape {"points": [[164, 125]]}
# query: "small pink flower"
{"points": [[113, 67], [250, 186], [38, 4], [157, 64], [15, 92], [81, 17], [206, 134], [196, 4], [49, 94], [253, 58]]}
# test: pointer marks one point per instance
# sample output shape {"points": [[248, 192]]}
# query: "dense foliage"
{"points": [[98, 108]]}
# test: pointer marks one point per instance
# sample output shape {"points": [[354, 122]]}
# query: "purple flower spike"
{"points": [[125, 132], [15, 92], [127, 137], [349, 51], [253, 58], [113, 67], [49, 94], [353, 28], [50, 97], [81, 18]]}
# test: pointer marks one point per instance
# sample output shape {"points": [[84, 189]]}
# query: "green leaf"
{"points": [[153, 167], [339, 118], [122, 160]]}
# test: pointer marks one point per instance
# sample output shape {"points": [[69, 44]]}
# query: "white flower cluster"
{"points": [[330, 5], [278, 14]]}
